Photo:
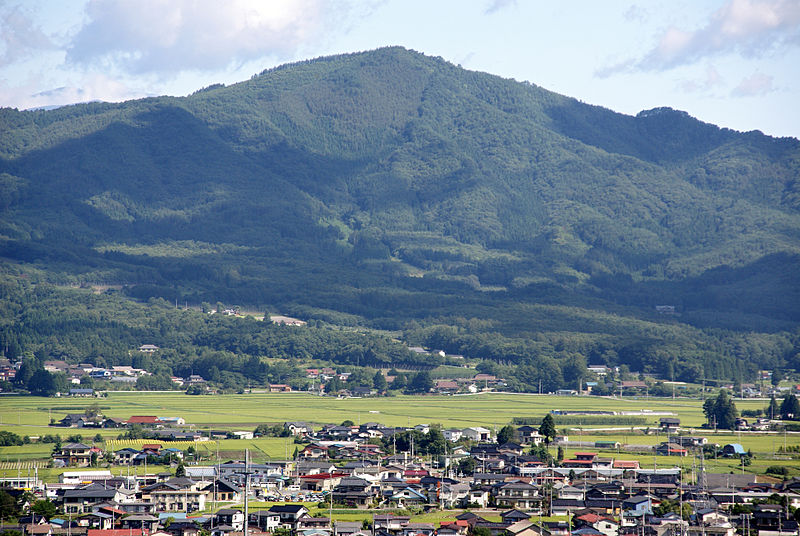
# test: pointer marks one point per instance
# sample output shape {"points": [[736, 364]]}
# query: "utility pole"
{"points": [[246, 488]]}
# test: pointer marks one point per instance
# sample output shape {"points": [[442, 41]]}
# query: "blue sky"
{"points": [[735, 63]]}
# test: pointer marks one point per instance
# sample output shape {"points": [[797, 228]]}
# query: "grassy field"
{"points": [[30, 416]]}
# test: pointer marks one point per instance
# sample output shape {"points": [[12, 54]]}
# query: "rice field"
{"points": [[30, 416]]}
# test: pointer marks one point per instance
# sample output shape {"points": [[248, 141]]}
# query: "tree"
{"points": [[467, 466], [42, 383], [777, 376], [708, 411], [379, 381], [541, 452], [8, 506], [8, 439], [93, 411], [180, 470], [44, 508], [790, 407], [420, 383], [505, 434], [348, 422], [548, 429], [434, 442], [334, 385], [773, 410], [721, 411]]}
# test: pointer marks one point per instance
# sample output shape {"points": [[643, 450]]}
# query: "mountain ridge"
{"points": [[394, 186]]}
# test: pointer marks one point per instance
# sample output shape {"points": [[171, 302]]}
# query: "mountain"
{"points": [[393, 190]]}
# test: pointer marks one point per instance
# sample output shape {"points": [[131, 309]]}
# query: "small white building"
{"points": [[477, 433], [452, 435]]}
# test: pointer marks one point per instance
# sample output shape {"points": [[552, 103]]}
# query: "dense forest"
{"points": [[391, 192]]}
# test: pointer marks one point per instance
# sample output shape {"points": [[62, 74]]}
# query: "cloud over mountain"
{"points": [[749, 28], [162, 37]]}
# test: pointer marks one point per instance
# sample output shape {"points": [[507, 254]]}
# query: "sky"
{"points": [[734, 63]]}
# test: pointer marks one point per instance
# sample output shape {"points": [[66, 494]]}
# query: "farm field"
{"points": [[27, 415], [30, 416]]}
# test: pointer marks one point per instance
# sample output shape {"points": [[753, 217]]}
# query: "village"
{"points": [[368, 479]]}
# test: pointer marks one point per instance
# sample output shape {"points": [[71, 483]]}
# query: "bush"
{"points": [[9, 439], [777, 470]]}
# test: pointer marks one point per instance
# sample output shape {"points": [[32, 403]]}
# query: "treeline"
{"points": [[47, 323], [671, 351], [42, 322]]}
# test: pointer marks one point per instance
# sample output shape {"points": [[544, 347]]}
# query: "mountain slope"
{"points": [[394, 186]]}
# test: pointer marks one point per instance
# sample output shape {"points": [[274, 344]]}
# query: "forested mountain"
{"points": [[397, 191]]}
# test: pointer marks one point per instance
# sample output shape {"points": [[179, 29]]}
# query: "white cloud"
{"points": [[710, 80], [90, 87], [498, 5], [754, 85], [750, 28], [169, 36], [635, 13], [20, 38]]}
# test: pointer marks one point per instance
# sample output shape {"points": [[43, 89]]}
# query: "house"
{"points": [[289, 513], [347, 528], [524, 527], [479, 496], [638, 505], [477, 433], [82, 499], [305, 468], [232, 517], [226, 491], [77, 454], [178, 494], [265, 520], [279, 388], [669, 424], [633, 385], [517, 494], [148, 348], [389, 522], [670, 449], [690, 441], [452, 435], [512, 516], [74, 420], [321, 482], [604, 524], [446, 386], [312, 523], [125, 456], [141, 523], [354, 491], [408, 496], [314, 451], [453, 528], [418, 529], [297, 428], [733, 449], [529, 435], [144, 420]]}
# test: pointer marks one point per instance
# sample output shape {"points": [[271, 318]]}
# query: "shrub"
{"points": [[777, 470]]}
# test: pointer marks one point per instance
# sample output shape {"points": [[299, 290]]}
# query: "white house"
{"points": [[477, 433]]}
